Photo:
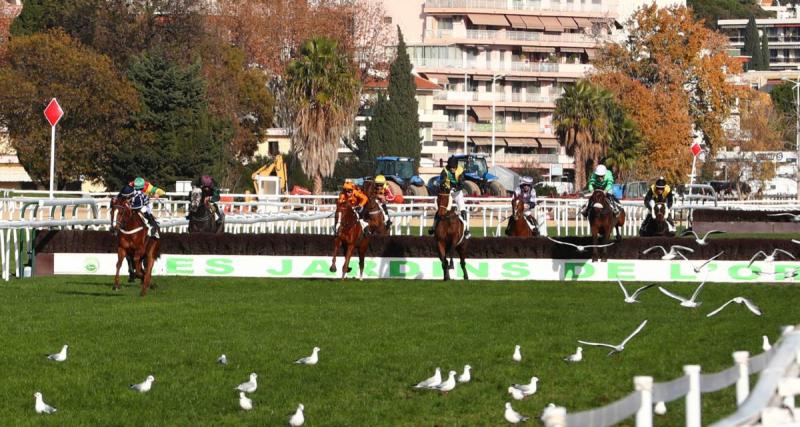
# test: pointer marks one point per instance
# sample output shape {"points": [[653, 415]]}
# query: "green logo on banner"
{"points": [[91, 264]]}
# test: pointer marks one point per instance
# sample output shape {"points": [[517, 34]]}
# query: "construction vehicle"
{"points": [[264, 179], [400, 177], [477, 179]]}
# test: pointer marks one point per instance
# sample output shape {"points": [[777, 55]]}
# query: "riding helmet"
{"points": [[206, 181], [380, 180], [661, 182], [138, 183], [600, 170], [452, 163], [347, 186], [526, 180]]}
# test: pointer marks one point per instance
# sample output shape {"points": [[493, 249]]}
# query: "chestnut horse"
{"points": [[603, 221], [133, 242], [201, 215], [449, 234], [518, 224], [376, 218], [658, 225], [350, 233]]}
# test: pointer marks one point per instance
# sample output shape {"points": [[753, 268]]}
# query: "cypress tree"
{"points": [[752, 45], [381, 135], [764, 51], [402, 97]]}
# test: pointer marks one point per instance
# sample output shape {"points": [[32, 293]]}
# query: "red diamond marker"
{"points": [[53, 112], [696, 149]]}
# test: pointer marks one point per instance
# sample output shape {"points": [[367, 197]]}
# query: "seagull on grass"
{"points": [[40, 406], [668, 255], [697, 239], [765, 345], [145, 386], [513, 416], [527, 389], [466, 376], [222, 360], [771, 257], [619, 347], [697, 268], [310, 360], [449, 384], [630, 299], [580, 248], [516, 393], [431, 382], [792, 217], [689, 303], [249, 386], [60, 356], [576, 357], [245, 402], [738, 300], [298, 419], [517, 356]]}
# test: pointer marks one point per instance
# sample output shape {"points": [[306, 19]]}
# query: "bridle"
{"points": [[124, 211]]}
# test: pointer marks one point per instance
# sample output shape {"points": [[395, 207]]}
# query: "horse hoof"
{"points": [[349, 269], [332, 269]]}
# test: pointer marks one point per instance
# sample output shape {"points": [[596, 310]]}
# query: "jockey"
{"points": [[142, 191], [528, 196], [350, 193], [452, 178], [210, 193], [383, 194], [659, 192], [602, 179]]}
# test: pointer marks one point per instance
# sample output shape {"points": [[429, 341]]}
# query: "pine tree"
{"points": [[764, 51], [752, 45], [403, 101]]}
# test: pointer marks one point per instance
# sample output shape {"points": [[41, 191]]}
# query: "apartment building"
{"points": [[502, 64], [783, 33]]}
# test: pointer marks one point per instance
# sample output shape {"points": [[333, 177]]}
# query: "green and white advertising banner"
{"points": [[431, 268]]}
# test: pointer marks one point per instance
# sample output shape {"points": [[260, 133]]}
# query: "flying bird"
{"points": [[449, 384], [245, 402], [466, 376], [516, 393], [310, 360], [222, 360], [580, 248], [738, 300], [60, 356], [619, 347], [249, 386], [697, 239], [576, 357], [517, 356], [527, 389], [786, 274], [145, 386], [630, 299], [40, 406], [431, 382], [770, 257], [668, 255], [697, 268], [765, 345], [689, 303], [792, 217], [298, 419]]}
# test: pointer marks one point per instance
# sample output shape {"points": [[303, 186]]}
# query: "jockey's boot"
{"points": [[670, 226], [386, 212], [585, 211], [154, 229], [467, 234], [435, 223]]}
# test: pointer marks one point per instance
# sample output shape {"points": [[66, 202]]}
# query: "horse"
{"points": [[377, 218], [449, 234], [201, 214], [657, 226], [518, 224], [351, 234], [603, 221], [133, 243]]}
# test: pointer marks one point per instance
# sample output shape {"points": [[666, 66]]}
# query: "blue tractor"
{"points": [[477, 179], [399, 174]]}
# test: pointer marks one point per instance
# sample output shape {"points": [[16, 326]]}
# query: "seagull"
{"points": [[671, 254], [765, 345], [738, 300], [700, 267], [249, 386], [621, 346], [577, 357], [431, 382], [793, 217], [60, 356], [145, 386], [660, 408], [517, 357], [513, 416], [550, 406], [222, 360], [580, 248], [697, 239], [630, 299], [298, 419], [516, 393], [40, 406], [310, 360], [245, 402], [786, 274], [527, 389], [466, 376], [771, 257], [449, 384], [689, 303]]}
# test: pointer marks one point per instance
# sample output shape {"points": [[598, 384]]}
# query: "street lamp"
{"points": [[797, 133], [494, 115]]}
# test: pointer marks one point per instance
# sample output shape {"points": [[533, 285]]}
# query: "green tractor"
{"points": [[477, 179]]}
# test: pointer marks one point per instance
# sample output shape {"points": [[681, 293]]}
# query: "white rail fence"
{"points": [[771, 402]]}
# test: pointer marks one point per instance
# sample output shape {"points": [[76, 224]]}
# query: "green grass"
{"points": [[377, 338]]}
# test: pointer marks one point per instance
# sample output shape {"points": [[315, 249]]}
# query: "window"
{"points": [[445, 23], [272, 148], [387, 19]]}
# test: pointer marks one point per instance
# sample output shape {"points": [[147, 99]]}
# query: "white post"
{"points": [[693, 416], [743, 383], [494, 76], [555, 417], [52, 157], [644, 416]]}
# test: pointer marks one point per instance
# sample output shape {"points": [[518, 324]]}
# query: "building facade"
{"points": [[783, 34]]}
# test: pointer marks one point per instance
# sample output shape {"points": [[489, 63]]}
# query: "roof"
{"points": [[419, 82]]}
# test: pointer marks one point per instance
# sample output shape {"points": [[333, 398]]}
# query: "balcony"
{"points": [[499, 96], [522, 128], [488, 66], [523, 5]]}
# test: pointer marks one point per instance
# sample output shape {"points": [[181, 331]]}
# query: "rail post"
{"points": [[644, 416], [740, 358], [693, 415]]}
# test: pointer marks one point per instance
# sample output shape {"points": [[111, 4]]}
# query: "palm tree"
{"points": [[626, 142], [583, 126], [323, 90]]}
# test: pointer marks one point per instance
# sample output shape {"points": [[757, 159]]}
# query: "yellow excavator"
{"points": [[276, 168]]}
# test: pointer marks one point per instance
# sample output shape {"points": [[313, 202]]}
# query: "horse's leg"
{"points": [[462, 253], [362, 252], [336, 242], [120, 257], [443, 257], [150, 258], [131, 267], [346, 269], [603, 241], [595, 233]]}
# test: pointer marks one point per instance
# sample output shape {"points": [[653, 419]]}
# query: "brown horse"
{"points": [[133, 242], [376, 218], [518, 224], [603, 221], [657, 226], [449, 234], [350, 233]]}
